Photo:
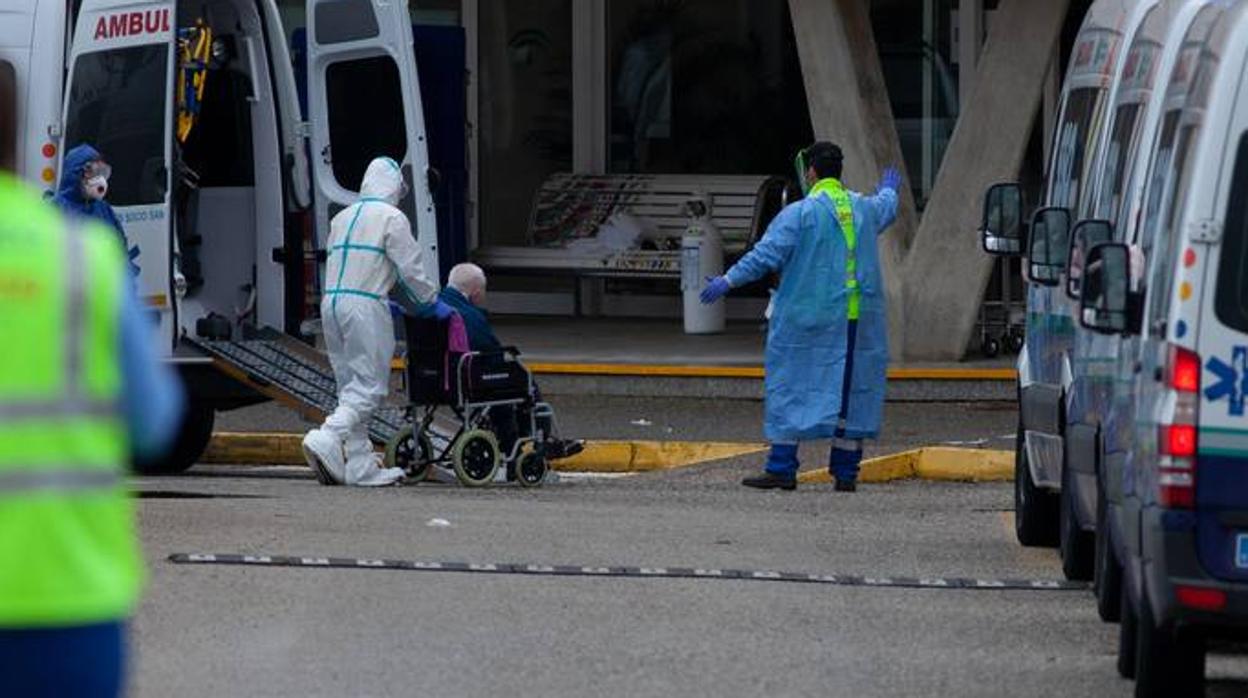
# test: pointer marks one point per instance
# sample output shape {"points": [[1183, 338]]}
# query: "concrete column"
{"points": [[945, 271], [849, 106], [589, 86]]}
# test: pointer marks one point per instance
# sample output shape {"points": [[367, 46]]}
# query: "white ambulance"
{"points": [[221, 212], [33, 38]]}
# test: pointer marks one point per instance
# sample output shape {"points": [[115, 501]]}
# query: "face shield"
{"points": [[801, 165]]}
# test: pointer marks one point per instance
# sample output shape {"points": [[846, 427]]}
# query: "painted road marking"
{"points": [[950, 583]]}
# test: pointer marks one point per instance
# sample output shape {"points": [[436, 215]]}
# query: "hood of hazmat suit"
{"points": [[819, 261], [371, 249], [70, 197]]}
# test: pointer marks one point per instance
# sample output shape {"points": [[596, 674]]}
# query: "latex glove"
{"points": [[442, 311], [716, 287], [890, 180], [396, 310]]}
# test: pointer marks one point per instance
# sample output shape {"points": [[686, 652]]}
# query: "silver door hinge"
{"points": [[1207, 231], [303, 129]]}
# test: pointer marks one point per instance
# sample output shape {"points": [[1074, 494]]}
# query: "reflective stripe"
{"points": [[365, 248], [56, 409], [75, 295], [351, 292], [59, 480]]}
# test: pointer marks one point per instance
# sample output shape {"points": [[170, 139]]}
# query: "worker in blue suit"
{"points": [[82, 190], [827, 347]]}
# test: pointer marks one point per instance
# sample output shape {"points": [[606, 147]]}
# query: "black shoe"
{"points": [[771, 481], [558, 449], [846, 486]]}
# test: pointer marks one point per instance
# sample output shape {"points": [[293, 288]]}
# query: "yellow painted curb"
{"points": [[242, 448], [934, 463], [259, 448], [649, 456], [756, 372]]}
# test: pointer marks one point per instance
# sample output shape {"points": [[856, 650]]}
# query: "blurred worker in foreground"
{"points": [[465, 294], [827, 347], [83, 189], [81, 394], [371, 248]]}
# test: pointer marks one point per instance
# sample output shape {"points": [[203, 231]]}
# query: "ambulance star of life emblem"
{"points": [[1232, 381]]}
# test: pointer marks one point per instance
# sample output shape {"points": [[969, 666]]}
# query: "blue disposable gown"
{"points": [[808, 336]]}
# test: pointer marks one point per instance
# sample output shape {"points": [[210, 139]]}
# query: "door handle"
{"points": [[1138, 368]]}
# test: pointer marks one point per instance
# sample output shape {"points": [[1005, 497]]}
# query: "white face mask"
{"points": [[96, 188]]}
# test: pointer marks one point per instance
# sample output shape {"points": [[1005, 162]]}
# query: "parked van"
{"points": [[1047, 468], [1135, 121], [215, 190], [1179, 427], [33, 72]]}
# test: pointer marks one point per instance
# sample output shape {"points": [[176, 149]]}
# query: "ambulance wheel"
{"points": [[414, 454], [531, 470], [990, 347], [194, 433], [475, 458]]}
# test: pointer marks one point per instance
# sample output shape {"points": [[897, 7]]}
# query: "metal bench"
{"points": [[571, 207]]}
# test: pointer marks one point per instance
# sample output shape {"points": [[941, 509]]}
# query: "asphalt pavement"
{"points": [[258, 630]]}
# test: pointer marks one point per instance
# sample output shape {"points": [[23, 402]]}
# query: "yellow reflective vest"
{"points": [[68, 550]]}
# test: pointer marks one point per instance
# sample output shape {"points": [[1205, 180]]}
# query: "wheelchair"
{"points": [[480, 390]]}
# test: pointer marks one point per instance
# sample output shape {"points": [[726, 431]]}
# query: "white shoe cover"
{"points": [[324, 456], [367, 471]]}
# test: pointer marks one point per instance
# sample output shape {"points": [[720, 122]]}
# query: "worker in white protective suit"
{"points": [[370, 249]]}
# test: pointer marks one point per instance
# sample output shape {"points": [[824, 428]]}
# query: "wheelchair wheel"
{"points": [[475, 458], [414, 454], [531, 469]]}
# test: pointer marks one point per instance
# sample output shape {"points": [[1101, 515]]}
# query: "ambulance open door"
{"points": [[118, 99], [364, 102]]}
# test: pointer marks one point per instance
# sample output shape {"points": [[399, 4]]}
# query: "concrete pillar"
{"points": [[945, 270], [849, 106], [589, 96]]}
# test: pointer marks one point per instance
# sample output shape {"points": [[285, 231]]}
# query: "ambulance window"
{"points": [[1174, 193], [8, 116], [365, 116], [344, 20], [1121, 150], [117, 105], [1231, 301], [1079, 123]]}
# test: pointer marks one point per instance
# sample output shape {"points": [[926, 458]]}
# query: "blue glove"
{"points": [[890, 180], [716, 287], [396, 310], [442, 311]]}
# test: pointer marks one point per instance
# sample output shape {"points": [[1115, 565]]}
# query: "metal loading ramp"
{"points": [[281, 367]]}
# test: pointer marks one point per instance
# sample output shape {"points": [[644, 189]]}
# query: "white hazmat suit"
{"points": [[370, 249]]}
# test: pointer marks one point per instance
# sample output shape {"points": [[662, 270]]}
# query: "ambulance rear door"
{"points": [[364, 102], [119, 100]]}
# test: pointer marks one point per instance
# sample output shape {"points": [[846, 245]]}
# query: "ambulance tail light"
{"points": [[1177, 438]]}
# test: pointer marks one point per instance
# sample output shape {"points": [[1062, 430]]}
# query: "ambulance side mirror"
{"points": [[1001, 230], [1047, 245], [1104, 301], [1085, 236]]}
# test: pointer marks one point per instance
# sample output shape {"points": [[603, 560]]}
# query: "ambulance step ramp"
{"points": [[281, 367]]}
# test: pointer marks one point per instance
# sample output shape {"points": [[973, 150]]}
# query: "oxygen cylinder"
{"points": [[701, 256]]}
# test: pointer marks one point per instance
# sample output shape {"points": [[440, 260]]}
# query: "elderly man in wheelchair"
{"points": [[502, 425]]}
